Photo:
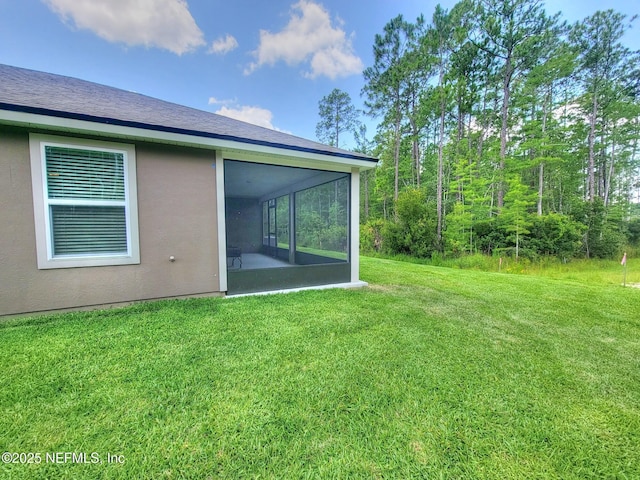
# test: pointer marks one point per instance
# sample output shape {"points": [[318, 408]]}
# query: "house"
{"points": [[109, 197]]}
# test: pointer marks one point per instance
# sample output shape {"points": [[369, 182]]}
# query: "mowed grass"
{"points": [[428, 373], [593, 271]]}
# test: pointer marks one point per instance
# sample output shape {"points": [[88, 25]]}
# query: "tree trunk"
{"points": [[443, 105], [415, 150], [506, 93], [633, 160], [548, 100], [459, 132], [484, 124], [591, 174], [416, 153], [337, 128], [607, 180], [540, 184], [396, 159], [396, 152]]}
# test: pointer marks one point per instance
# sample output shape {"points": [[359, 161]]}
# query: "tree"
{"points": [[516, 212], [416, 65], [514, 33], [540, 134], [602, 59], [364, 145], [488, 118], [337, 115], [386, 82], [441, 38], [445, 35]]}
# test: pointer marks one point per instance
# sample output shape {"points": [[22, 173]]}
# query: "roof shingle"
{"points": [[56, 95]]}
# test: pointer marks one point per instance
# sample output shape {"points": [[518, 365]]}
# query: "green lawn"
{"points": [[593, 272], [323, 253], [428, 373]]}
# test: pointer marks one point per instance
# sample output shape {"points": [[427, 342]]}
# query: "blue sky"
{"points": [[268, 62]]}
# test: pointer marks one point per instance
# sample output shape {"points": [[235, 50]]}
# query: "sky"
{"points": [[268, 62]]}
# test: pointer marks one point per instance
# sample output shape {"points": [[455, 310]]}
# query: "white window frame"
{"points": [[41, 203]]}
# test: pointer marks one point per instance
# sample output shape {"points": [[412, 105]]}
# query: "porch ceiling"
{"points": [[256, 180]]}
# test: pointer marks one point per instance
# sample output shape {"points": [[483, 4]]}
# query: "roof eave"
{"points": [[81, 123]]}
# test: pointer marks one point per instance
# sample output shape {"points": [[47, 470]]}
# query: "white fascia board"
{"points": [[231, 149]]}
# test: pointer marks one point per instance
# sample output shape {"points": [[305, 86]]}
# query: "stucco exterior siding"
{"points": [[176, 190]]}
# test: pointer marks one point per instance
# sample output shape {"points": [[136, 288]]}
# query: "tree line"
{"points": [[502, 129]]}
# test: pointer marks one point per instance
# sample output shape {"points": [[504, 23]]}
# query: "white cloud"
{"points": [[224, 45], [165, 24], [255, 115], [217, 101], [309, 37]]}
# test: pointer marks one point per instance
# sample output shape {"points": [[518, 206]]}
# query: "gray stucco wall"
{"points": [[177, 217]]}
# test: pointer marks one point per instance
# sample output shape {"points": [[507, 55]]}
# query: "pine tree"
{"points": [[337, 115], [515, 34]]}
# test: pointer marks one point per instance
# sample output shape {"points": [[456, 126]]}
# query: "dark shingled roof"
{"points": [[31, 91]]}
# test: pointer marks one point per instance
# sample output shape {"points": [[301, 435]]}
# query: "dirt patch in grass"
{"points": [[383, 288]]}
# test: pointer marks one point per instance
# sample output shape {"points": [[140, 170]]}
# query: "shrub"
{"points": [[603, 237], [371, 236], [555, 235], [490, 236], [633, 232], [415, 231]]}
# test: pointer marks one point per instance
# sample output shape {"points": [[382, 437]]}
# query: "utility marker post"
{"points": [[624, 269]]}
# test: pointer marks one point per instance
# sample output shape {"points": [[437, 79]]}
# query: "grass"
{"points": [[593, 271], [323, 253], [428, 373]]}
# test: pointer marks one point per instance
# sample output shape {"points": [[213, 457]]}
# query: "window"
{"points": [[84, 202]]}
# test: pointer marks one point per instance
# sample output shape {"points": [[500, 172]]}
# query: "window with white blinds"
{"points": [[84, 174], [84, 230], [86, 194], [89, 211]]}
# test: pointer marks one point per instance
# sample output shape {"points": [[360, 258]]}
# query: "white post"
{"points": [[222, 221], [292, 228], [354, 237]]}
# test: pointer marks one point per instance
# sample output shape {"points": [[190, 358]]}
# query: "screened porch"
{"points": [[286, 227]]}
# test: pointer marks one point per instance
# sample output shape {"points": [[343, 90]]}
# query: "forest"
{"points": [[502, 130]]}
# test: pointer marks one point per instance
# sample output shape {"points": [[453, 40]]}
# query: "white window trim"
{"points": [[41, 204]]}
